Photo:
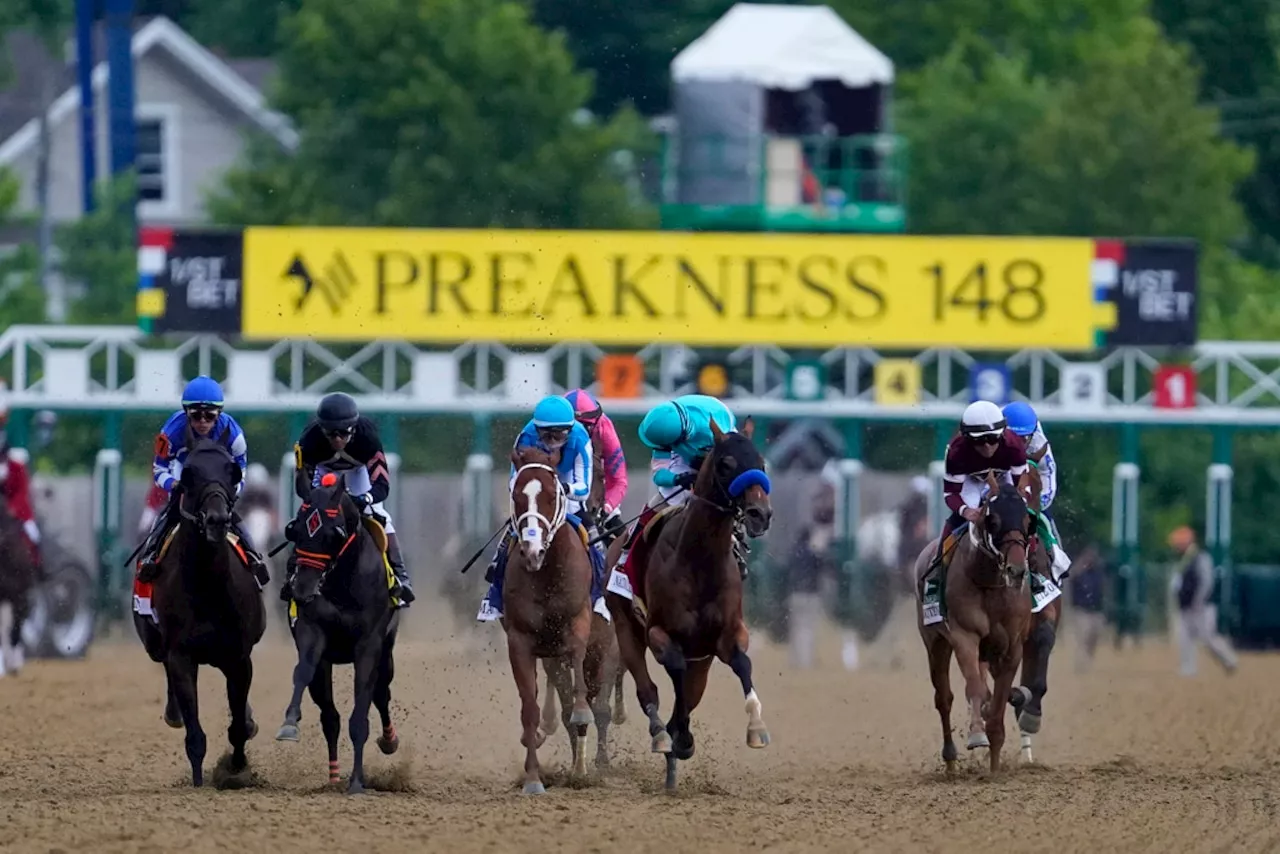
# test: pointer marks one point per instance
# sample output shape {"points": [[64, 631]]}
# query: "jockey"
{"points": [[15, 486], [201, 410], [1024, 422], [679, 433], [982, 445], [553, 426], [341, 440], [604, 438]]}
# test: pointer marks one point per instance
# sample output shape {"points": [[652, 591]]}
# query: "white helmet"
{"points": [[257, 475], [982, 418]]}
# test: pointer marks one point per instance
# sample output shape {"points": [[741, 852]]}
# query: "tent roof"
{"points": [[782, 47]]}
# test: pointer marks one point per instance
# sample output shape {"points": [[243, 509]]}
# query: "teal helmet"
{"points": [[553, 411], [666, 425]]}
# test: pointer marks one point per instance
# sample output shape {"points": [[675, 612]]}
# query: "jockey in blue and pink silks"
{"points": [[553, 427], [604, 439]]}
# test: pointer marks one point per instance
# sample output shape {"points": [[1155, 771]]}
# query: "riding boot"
{"points": [[404, 588], [491, 604], [148, 559], [253, 557], [291, 566], [633, 537], [936, 563]]}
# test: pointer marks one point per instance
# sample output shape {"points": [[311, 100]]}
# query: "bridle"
{"points": [[208, 490], [321, 561], [1010, 576], [532, 525]]}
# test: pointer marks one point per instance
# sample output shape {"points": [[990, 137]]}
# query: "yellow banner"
{"points": [[540, 287]]}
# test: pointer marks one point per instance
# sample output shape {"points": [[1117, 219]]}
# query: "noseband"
{"points": [[981, 538], [200, 516], [531, 524]]}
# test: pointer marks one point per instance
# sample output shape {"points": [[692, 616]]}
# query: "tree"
{"points": [[431, 113], [21, 298], [240, 28], [98, 255]]}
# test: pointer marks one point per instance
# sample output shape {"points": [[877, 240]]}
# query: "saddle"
{"points": [[661, 518], [232, 538]]}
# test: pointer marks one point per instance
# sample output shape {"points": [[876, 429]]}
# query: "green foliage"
{"points": [[21, 297], [433, 113], [98, 255], [239, 28]]}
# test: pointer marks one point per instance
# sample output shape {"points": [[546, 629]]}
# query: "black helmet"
{"points": [[337, 412]]}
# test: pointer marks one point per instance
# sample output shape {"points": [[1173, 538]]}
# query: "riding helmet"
{"points": [[666, 425], [202, 391], [1021, 417], [982, 418], [337, 411], [553, 411]]}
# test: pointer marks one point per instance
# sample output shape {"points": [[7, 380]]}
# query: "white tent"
{"points": [[769, 71], [782, 47]]}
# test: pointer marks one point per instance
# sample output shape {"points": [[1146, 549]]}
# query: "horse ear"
{"points": [[992, 483], [716, 431], [748, 428]]}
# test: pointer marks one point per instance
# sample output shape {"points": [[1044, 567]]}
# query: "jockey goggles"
{"points": [[203, 413], [553, 437], [341, 433]]}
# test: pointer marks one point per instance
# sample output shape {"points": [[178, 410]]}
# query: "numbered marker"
{"points": [[620, 375], [990, 381], [806, 380], [1084, 386], [1174, 387], [897, 382]]}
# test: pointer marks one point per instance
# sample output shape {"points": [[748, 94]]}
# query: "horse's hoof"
{"points": [[661, 743], [977, 739], [580, 717], [619, 715], [1029, 723], [252, 728], [388, 746], [355, 787], [173, 722], [550, 724], [952, 766], [1020, 696], [288, 732], [602, 760], [535, 789], [757, 738]]}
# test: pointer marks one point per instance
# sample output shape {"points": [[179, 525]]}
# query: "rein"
{"points": [[536, 521], [987, 546], [199, 517]]}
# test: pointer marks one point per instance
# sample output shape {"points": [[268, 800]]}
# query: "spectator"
{"points": [[1197, 610], [1088, 573], [811, 559]]}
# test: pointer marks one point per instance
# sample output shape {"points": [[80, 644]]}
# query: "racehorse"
{"points": [[18, 577], [1027, 699], [603, 642], [688, 604], [547, 602], [344, 615], [207, 605], [988, 614]]}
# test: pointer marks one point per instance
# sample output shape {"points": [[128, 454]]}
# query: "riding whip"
{"points": [[601, 537], [133, 554], [475, 557]]}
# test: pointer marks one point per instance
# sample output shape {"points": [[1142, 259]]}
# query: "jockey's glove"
{"points": [[686, 479]]}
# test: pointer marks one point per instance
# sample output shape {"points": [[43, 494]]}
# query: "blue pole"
{"points": [[84, 73], [119, 20]]}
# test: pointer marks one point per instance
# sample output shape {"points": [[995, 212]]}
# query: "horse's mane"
{"points": [[534, 454]]}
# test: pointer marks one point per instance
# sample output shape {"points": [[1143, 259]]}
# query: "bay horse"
{"points": [[602, 647], [19, 575], [547, 602], [988, 613], [690, 595], [207, 605], [342, 613]]}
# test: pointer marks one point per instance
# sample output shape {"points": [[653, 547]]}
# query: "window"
{"points": [[150, 160]]}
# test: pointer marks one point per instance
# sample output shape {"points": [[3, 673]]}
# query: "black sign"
{"points": [[201, 282], [1156, 295]]}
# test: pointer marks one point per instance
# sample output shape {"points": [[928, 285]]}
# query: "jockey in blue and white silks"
{"points": [[554, 426], [1024, 422], [202, 403]]}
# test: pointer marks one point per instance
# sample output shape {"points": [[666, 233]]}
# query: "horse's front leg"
{"points": [[631, 652], [239, 676], [1005, 670], [368, 658], [182, 670], [550, 714], [965, 645], [734, 653], [577, 641], [671, 656], [321, 690], [524, 668], [310, 641]]}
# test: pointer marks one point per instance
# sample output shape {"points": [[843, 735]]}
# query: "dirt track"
{"points": [[1134, 759]]}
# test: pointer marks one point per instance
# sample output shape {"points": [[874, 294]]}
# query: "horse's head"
{"points": [[326, 526], [538, 502], [1006, 525], [734, 473], [209, 478]]}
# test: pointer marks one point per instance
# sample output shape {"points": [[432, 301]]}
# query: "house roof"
{"points": [[238, 81], [782, 47]]}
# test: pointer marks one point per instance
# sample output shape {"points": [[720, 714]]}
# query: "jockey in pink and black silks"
{"points": [[604, 438]]}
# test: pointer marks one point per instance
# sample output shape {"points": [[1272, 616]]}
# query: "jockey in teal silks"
{"points": [[679, 432], [554, 426]]}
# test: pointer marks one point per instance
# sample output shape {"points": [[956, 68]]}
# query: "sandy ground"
{"points": [[1132, 757]]}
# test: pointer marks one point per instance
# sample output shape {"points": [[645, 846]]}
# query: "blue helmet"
{"points": [[553, 411], [202, 391], [1021, 417]]}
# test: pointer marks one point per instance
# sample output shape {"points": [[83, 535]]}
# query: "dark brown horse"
{"points": [[602, 663], [18, 577], [988, 614], [207, 604], [1028, 698], [547, 604], [692, 589]]}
